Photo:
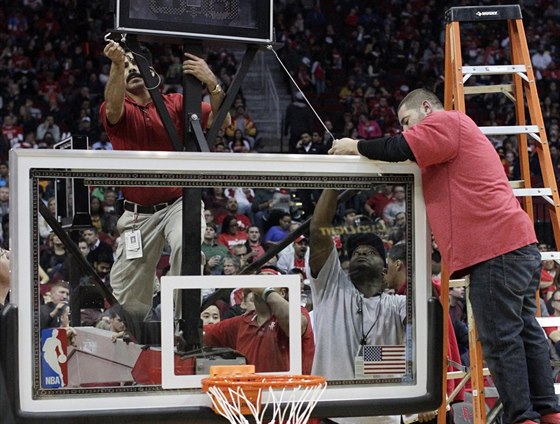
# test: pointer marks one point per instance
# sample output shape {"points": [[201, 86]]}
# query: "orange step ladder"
{"points": [[518, 84]]}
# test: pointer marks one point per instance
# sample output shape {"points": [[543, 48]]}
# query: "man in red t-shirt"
{"points": [[262, 335], [232, 207], [482, 231], [153, 215]]}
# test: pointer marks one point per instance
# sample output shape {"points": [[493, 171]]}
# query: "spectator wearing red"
{"points": [[378, 200], [231, 235], [368, 128], [243, 221], [262, 335]]}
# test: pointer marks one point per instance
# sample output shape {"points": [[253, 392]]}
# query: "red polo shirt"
{"points": [[265, 346], [472, 210], [140, 128]]}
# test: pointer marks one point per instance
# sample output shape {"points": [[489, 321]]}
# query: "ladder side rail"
{"points": [[522, 145], [453, 76], [448, 71], [477, 374], [455, 100], [455, 79], [535, 113], [457, 71], [444, 299]]}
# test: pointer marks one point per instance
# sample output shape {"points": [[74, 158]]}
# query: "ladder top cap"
{"points": [[483, 13]]}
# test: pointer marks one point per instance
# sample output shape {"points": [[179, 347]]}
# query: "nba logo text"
{"points": [[54, 369]]}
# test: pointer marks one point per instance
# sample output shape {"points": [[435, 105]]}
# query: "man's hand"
{"points": [[197, 67], [214, 261], [344, 146], [115, 52], [58, 309]]}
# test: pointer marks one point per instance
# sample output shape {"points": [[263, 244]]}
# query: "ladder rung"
{"points": [[517, 184], [485, 89], [452, 375], [550, 256], [494, 70], [510, 129], [521, 192], [483, 13], [460, 282], [549, 321]]}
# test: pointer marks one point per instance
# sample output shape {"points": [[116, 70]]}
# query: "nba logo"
{"points": [[54, 369]]}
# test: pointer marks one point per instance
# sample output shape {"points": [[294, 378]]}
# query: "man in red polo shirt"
{"points": [[153, 215], [262, 335]]}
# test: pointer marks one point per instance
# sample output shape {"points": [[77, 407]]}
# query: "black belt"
{"points": [[136, 208]]}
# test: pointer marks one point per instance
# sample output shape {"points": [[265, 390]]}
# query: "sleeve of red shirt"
{"points": [[221, 334], [435, 139], [206, 109]]}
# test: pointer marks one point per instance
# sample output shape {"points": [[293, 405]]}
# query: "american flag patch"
{"points": [[389, 359]]}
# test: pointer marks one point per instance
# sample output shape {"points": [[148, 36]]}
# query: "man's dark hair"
{"points": [[103, 257], [414, 99], [398, 252], [228, 219], [368, 239], [296, 271]]}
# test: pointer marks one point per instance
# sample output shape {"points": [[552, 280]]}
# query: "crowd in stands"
{"points": [[354, 60]]}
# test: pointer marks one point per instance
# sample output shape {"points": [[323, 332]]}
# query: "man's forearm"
{"points": [[216, 100], [114, 93], [389, 149], [325, 209]]}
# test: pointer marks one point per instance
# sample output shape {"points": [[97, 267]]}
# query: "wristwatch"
{"points": [[217, 90]]}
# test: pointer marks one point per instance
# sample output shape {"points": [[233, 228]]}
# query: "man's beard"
{"points": [[373, 271]]}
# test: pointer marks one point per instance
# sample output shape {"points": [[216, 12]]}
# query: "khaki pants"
{"points": [[133, 280]]}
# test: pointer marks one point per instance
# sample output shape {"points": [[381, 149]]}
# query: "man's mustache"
{"points": [[133, 75]]}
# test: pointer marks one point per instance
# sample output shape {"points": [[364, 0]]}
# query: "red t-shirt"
{"points": [[471, 207], [140, 128], [547, 277], [378, 202], [229, 240], [243, 221], [257, 250], [267, 346]]}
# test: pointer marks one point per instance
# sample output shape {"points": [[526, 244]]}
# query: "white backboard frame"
{"points": [[300, 169]]}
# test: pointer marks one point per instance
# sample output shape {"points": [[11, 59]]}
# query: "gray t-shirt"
{"points": [[339, 325]]}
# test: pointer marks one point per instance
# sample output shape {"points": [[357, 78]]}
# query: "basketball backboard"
{"points": [[414, 387]]}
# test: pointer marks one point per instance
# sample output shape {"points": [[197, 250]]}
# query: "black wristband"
{"points": [[267, 292]]}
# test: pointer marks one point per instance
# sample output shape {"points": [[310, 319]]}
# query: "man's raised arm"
{"points": [[321, 241]]}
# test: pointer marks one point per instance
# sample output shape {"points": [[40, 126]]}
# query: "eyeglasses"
{"points": [[555, 300]]}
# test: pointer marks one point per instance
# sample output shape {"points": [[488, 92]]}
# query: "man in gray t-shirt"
{"points": [[351, 309]]}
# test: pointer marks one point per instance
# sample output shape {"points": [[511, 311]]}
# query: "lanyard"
{"points": [[363, 341]]}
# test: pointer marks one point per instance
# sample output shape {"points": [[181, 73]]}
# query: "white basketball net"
{"points": [[291, 405]]}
